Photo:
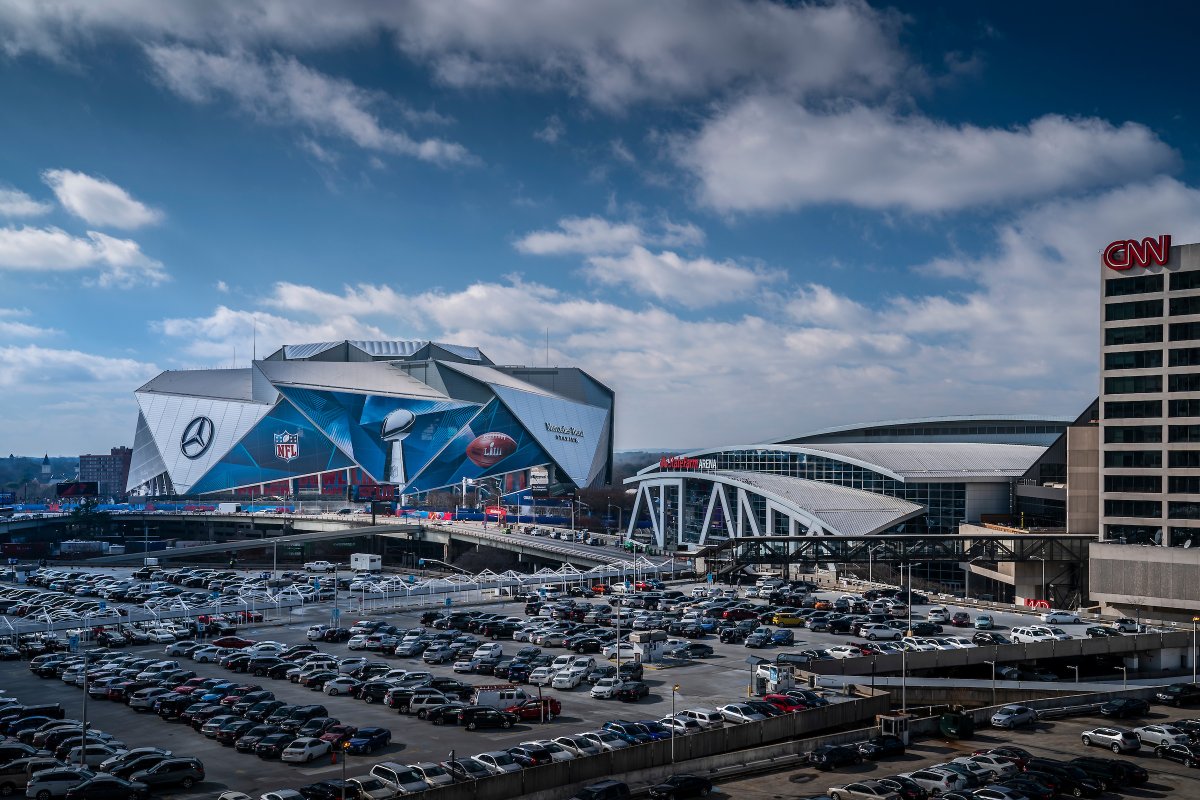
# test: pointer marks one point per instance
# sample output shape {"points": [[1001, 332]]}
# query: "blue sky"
{"points": [[751, 219]]}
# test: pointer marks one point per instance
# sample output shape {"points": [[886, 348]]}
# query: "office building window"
{"points": [[1132, 434], [1145, 484], [1134, 309], [1133, 384], [1183, 459], [1182, 331], [1182, 306], [1133, 534], [1138, 334], [1183, 510], [1133, 508], [1133, 409], [1186, 382], [1150, 459], [1184, 408], [1183, 433], [1184, 357], [1142, 284], [1133, 359], [1185, 280], [1183, 484]]}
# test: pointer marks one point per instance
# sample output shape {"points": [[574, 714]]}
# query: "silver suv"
{"points": [[1119, 740]]}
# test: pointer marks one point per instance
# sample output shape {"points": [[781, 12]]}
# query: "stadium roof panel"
{"points": [[222, 384], [962, 419], [380, 349], [361, 377]]}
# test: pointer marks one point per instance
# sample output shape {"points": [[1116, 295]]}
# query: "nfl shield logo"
{"points": [[287, 445]]}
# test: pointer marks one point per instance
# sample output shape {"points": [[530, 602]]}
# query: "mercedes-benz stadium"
{"points": [[323, 418]]}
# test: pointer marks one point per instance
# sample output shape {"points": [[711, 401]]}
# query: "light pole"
{"points": [[275, 560], [674, 691], [904, 652], [1124, 677], [1072, 666], [1043, 589], [993, 663], [1194, 621], [620, 513], [345, 747]]}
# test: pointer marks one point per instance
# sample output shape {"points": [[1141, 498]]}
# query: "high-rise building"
{"points": [[108, 471], [1148, 552]]}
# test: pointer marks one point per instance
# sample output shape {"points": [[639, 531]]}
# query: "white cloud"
{"points": [[15, 203], [97, 201], [552, 131], [767, 153], [214, 338], [361, 300], [582, 235], [121, 262], [621, 151], [613, 53], [32, 365], [10, 327], [222, 287], [282, 91], [692, 283]]}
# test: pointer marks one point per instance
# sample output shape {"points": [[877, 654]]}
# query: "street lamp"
{"points": [[1124, 677], [1043, 592], [674, 691], [871, 563], [993, 663], [345, 750], [1074, 667], [1194, 621], [620, 513]]}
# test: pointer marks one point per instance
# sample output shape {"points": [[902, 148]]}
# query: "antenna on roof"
{"points": [[547, 347], [254, 337]]}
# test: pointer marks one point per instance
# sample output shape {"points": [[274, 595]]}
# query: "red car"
{"points": [[235, 642], [339, 734], [785, 703], [961, 620], [602, 588], [532, 710]]}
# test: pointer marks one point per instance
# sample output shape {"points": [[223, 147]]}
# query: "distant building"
{"points": [[110, 471], [45, 467]]}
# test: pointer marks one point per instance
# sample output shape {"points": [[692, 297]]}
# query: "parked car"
{"points": [[368, 740], [881, 747], [863, 790], [677, 787], [1124, 707], [182, 772], [1156, 736], [832, 756], [1178, 694], [1013, 716], [1119, 740]]}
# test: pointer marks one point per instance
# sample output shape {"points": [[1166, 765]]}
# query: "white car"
{"points": [[160, 636], [739, 712], [606, 687], [498, 762], [625, 649], [542, 676], [466, 665], [937, 781], [1036, 634], [343, 685], [557, 752], [681, 726], [348, 665], [1060, 618], [1160, 735], [578, 745], [1013, 716], [938, 614], [874, 632], [319, 566], [606, 740], [358, 642], [958, 642], [914, 644], [433, 774], [1000, 768], [845, 651], [568, 678], [304, 750]]}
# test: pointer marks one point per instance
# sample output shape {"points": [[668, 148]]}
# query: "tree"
{"points": [[87, 519]]}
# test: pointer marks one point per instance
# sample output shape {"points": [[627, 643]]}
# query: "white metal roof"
{"points": [[376, 348], [223, 384], [965, 419], [363, 377]]}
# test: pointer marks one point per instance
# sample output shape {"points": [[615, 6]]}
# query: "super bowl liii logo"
{"points": [[287, 446]]}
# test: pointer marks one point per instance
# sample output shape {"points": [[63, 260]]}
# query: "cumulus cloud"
{"points": [[672, 279], [36, 365], [10, 326], [97, 201], [212, 338], [281, 90], [15, 203], [612, 54], [768, 153], [552, 131], [597, 235], [121, 262]]}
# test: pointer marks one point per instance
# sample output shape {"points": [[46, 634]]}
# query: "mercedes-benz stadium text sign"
{"points": [[1126, 254]]}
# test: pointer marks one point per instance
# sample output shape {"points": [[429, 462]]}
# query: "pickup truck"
{"points": [[319, 566]]}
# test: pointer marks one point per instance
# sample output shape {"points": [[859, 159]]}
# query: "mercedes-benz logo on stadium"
{"points": [[197, 437]]}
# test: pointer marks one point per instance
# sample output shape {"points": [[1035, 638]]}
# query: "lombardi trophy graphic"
{"points": [[396, 426]]}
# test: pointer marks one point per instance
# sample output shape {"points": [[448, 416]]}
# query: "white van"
{"points": [[498, 695], [1031, 635]]}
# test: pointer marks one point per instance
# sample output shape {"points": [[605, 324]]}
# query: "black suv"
{"points": [[1178, 694], [486, 717]]}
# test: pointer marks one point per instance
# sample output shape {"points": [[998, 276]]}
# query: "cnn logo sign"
{"points": [[1129, 253]]}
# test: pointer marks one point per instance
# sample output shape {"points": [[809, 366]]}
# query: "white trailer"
{"points": [[229, 508], [366, 562]]}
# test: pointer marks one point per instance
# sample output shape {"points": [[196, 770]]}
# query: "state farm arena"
{"points": [[321, 419]]}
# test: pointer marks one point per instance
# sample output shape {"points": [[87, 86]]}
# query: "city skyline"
{"points": [[751, 220]]}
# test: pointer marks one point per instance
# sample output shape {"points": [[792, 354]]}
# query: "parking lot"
{"points": [[713, 681], [1057, 740]]}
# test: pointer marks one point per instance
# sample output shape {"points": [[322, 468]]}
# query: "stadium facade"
{"points": [[325, 417]]}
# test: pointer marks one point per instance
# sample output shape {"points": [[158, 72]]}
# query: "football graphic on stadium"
{"points": [[489, 449]]}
